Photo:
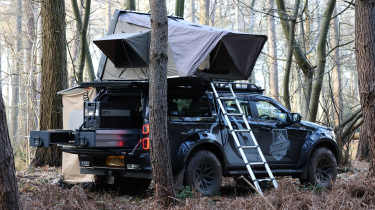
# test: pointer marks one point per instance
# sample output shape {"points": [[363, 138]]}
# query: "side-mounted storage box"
{"points": [[47, 137]]}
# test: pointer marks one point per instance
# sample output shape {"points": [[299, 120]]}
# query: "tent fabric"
{"points": [[226, 55], [126, 49], [72, 118], [110, 72]]}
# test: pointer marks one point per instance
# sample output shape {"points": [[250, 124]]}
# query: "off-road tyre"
{"points": [[204, 173], [131, 186], [322, 168]]}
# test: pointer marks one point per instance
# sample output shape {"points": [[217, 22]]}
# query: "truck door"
{"points": [[273, 133]]}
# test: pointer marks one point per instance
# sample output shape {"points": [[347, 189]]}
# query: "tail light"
{"points": [[146, 143], [146, 129]]}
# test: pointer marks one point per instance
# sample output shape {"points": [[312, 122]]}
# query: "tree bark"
{"points": [[321, 60], [54, 76], [8, 182], [1, 74], [272, 51], [160, 152], [365, 57], [85, 55]]}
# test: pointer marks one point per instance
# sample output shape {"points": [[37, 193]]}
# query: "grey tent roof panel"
{"points": [[228, 55]]}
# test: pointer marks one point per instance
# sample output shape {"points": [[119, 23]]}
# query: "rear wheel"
{"points": [[322, 170], [204, 173]]}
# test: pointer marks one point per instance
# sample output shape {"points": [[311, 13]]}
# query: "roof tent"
{"points": [[193, 50]]}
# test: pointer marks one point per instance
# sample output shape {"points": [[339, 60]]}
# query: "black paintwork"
{"points": [[188, 134]]}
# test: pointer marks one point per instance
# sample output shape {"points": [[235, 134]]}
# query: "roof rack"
{"points": [[238, 86]]}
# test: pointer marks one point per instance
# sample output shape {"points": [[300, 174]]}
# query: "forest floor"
{"points": [[41, 189]]}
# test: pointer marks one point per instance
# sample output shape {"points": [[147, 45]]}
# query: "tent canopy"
{"points": [[126, 49], [192, 50]]}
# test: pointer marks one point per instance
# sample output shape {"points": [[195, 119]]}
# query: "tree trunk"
{"points": [[85, 55], [193, 11], [288, 65], [179, 10], [1, 71], [252, 17], [365, 57], [8, 182], [54, 76], [272, 51], [321, 60], [160, 152], [204, 12], [109, 13], [15, 77], [129, 5], [336, 77]]}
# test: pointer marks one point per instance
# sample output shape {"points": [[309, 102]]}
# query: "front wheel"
{"points": [[204, 173], [322, 170]]}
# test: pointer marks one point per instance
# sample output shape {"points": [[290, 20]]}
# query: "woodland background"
{"points": [[308, 64], [323, 44]]}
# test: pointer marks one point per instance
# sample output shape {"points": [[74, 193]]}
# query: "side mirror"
{"points": [[295, 118]]}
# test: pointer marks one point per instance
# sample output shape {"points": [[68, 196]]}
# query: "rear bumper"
{"points": [[93, 161], [99, 138], [107, 171]]}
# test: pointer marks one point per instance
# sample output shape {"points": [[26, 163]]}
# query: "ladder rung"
{"points": [[227, 98], [241, 130], [233, 114], [264, 180], [256, 163], [248, 147]]}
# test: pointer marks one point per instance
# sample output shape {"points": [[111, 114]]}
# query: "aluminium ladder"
{"points": [[247, 129]]}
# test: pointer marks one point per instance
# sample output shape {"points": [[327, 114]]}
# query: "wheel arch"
{"points": [[210, 146], [326, 143]]}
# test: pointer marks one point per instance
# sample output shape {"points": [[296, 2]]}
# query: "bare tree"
{"points": [[8, 182], [16, 73], [290, 47], [85, 55], [193, 11], [160, 152], [312, 93], [272, 51], [179, 10], [54, 76], [129, 4], [365, 56], [204, 12]]}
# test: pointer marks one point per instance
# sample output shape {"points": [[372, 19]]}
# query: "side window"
{"points": [[182, 106], [232, 107], [268, 111]]}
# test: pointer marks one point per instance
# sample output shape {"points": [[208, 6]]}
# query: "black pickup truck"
{"points": [[113, 141]]}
